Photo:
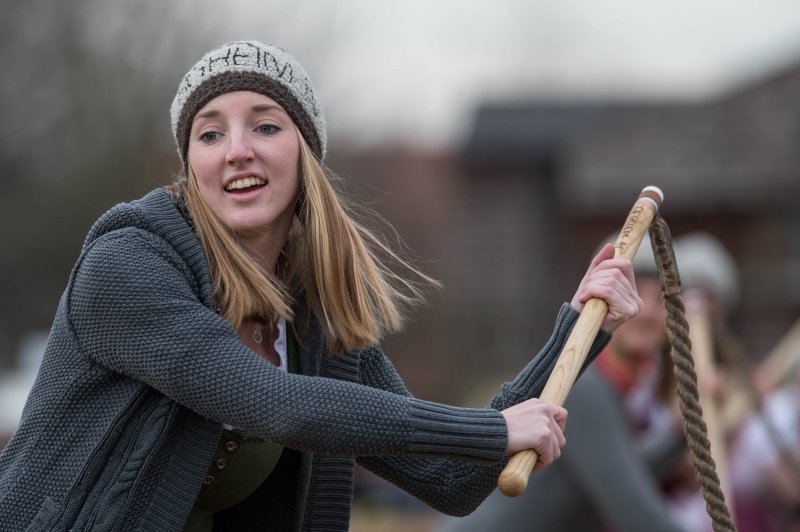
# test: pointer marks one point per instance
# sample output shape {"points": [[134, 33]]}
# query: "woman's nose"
{"points": [[239, 150]]}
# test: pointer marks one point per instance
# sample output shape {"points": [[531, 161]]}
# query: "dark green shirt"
{"points": [[241, 463]]}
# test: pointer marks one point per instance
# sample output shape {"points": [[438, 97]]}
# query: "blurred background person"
{"points": [[749, 444], [765, 455]]}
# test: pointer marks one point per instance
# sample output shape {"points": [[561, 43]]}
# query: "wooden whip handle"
{"points": [[514, 478]]}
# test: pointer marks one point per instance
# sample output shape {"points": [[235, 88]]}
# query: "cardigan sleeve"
{"points": [[531, 380], [133, 308], [457, 488]]}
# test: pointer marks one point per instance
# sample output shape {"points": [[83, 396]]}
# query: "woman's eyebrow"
{"points": [[262, 107], [211, 113], [258, 108]]}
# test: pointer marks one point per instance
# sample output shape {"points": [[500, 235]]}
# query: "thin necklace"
{"points": [[257, 338]]}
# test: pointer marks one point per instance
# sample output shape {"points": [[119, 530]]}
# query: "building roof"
{"points": [[737, 153]]}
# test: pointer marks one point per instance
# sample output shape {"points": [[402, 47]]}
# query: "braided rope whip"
{"points": [[681, 354]]}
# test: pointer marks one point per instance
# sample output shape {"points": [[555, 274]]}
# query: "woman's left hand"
{"points": [[611, 280]]}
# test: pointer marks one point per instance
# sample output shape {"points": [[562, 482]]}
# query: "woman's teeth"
{"points": [[245, 183]]}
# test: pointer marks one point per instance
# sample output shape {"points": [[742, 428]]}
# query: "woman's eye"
{"points": [[209, 136], [268, 129]]}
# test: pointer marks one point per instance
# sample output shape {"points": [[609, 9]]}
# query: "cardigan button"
{"points": [[231, 446], [222, 463], [208, 481]]}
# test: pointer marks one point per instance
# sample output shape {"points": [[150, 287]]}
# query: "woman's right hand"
{"points": [[534, 424]]}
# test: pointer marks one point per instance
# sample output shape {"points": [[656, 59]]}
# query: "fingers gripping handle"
{"points": [[514, 478]]}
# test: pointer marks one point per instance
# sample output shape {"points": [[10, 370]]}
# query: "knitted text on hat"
{"points": [[249, 66]]}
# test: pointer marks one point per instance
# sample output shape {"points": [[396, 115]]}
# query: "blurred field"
{"points": [[388, 520]]}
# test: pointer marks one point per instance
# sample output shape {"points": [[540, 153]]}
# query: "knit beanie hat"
{"points": [[703, 262], [249, 66]]}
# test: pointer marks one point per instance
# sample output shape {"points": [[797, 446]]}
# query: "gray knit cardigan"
{"points": [[140, 372]]}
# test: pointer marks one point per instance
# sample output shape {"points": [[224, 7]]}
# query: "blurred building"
{"points": [[730, 167], [512, 217]]}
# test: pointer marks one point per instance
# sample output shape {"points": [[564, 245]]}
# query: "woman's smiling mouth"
{"points": [[244, 184]]}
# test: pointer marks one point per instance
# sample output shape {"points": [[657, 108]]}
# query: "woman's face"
{"points": [[244, 151], [645, 333]]}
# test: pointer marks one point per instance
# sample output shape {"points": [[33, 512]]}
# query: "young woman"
{"points": [[214, 363]]}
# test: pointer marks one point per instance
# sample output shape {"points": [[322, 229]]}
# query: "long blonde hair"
{"points": [[341, 265]]}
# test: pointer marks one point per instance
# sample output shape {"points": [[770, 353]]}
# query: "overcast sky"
{"points": [[418, 67]]}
